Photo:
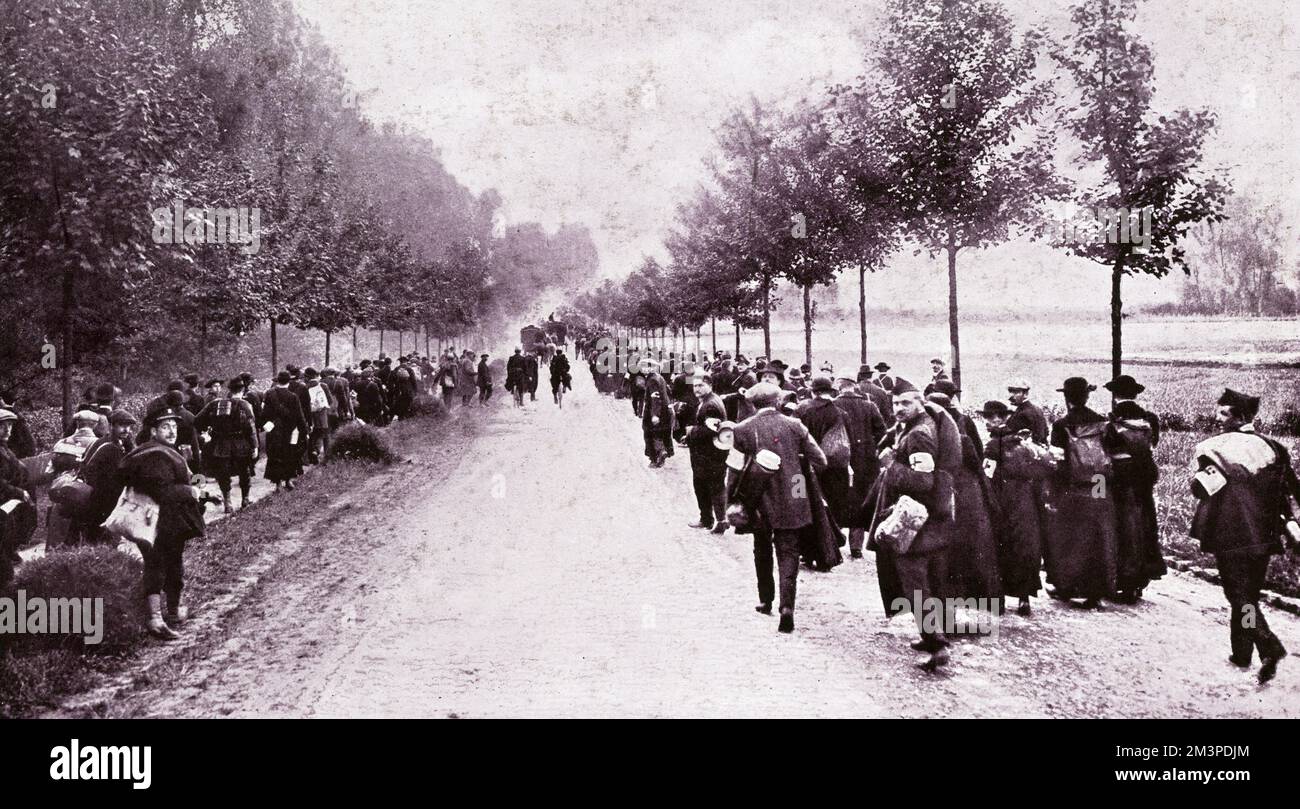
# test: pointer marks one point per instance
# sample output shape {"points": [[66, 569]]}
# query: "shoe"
{"points": [[705, 525], [227, 508], [159, 629], [720, 528], [765, 608], [1268, 668], [939, 658], [1238, 662], [787, 623], [929, 645], [855, 554], [181, 615], [1023, 609], [288, 484]]}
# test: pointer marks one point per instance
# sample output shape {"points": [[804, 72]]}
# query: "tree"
{"points": [[961, 99], [1152, 183]]}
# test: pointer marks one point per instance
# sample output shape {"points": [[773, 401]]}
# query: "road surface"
{"points": [[547, 572]]}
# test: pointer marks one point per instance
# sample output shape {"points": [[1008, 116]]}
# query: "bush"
{"points": [[98, 572], [428, 405], [361, 443], [1287, 423], [1174, 423]]}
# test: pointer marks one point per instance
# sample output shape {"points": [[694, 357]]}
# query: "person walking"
{"points": [[158, 471], [1247, 497], [1134, 434], [515, 377], [865, 427], [484, 379], [283, 410], [1017, 468], [1080, 550], [781, 512], [708, 462], [233, 448], [560, 378]]}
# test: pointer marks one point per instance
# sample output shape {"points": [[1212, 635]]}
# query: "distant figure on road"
{"points": [[484, 378], [1247, 495], [516, 377], [559, 374]]}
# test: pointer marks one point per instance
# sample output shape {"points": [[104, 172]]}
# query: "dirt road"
{"points": [[548, 572]]}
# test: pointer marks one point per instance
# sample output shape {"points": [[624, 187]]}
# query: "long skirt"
{"points": [[1080, 546], [1137, 537], [972, 552], [283, 460], [1019, 529]]}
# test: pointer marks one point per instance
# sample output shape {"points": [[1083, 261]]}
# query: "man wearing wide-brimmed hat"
{"points": [[1081, 554], [1135, 432], [1248, 501]]}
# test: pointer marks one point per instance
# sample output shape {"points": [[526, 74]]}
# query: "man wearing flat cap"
{"points": [[784, 508], [100, 469], [1025, 415], [708, 462], [1247, 491], [233, 449], [1134, 434]]}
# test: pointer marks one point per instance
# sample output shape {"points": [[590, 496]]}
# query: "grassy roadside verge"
{"points": [[220, 567]]}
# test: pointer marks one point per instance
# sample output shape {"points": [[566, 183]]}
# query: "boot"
{"points": [[243, 500], [787, 621], [157, 626]]}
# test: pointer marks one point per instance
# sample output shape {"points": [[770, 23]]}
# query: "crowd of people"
{"points": [[192, 432], [958, 517], [524, 367]]}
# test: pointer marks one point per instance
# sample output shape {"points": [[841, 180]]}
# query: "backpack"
{"points": [[1085, 452], [319, 399], [835, 443]]}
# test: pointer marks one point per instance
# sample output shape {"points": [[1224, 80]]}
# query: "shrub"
{"points": [[428, 405], [98, 572], [1287, 423], [1174, 423], [361, 443]]}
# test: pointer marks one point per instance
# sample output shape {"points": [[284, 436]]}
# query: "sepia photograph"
{"points": [[687, 359]]}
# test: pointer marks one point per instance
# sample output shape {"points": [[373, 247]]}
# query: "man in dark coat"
{"points": [[233, 448], [187, 441], [282, 407], [708, 462], [973, 552], [865, 427], [914, 464], [1247, 491], [884, 379], [516, 376], [158, 471], [1080, 549], [1134, 434], [870, 388], [1019, 515], [370, 398], [101, 472], [194, 398], [784, 508], [1027, 415], [656, 417], [341, 391], [530, 375], [484, 379], [820, 415]]}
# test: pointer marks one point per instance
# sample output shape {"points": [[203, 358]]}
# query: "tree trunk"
{"points": [[1116, 318], [952, 312], [327, 349], [381, 343], [354, 343], [203, 342], [69, 299], [807, 324], [399, 342], [275, 352], [714, 328], [737, 338], [862, 314], [767, 317]]}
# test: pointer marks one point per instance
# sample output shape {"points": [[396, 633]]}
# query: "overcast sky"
{"points": [[601, 113]]}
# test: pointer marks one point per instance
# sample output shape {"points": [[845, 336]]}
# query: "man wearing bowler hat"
{"points": [[1134, 433]]}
